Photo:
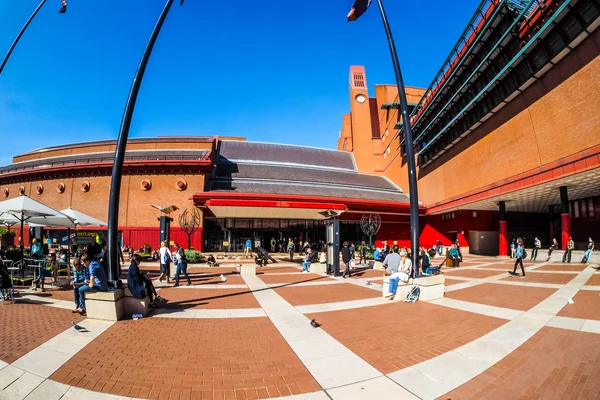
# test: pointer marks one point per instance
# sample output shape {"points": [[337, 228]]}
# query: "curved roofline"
{"points": [[287, 165], [111, 141]]}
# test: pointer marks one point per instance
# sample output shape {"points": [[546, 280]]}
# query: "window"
{"points": [[576, 209], [583, 209], [474, 214], [591, 208], [388, 150]]}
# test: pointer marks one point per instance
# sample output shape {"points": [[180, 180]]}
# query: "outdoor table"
{"points": [[39, 267]]}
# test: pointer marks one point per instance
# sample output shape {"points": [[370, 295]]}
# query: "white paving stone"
{"points": [[382, 388], [308, 343], [420, 384], [247, 312], [591, 326], [20, 388], [41, 361], [8, 375], [342, 305], [79, 394], [2, 364], [350, 367], [566, 323], [48, 390]]}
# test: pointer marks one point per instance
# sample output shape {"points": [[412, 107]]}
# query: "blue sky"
{"points": [[268, 70]]}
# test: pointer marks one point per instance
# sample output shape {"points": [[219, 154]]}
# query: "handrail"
{"points": [[515, 58], [483, 61], [417, 113]]}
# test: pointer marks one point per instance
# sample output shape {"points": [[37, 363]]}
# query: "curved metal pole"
{"points": [[410, 151], [12, 47], [115, 184]]}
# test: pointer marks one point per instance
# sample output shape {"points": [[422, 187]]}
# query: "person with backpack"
{"points": [[519, 254], [181, 262], [570, 247], [588, 253], [537, 244], [165, 261]]}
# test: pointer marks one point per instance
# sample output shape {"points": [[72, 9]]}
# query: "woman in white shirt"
{"points": [[165, 261]]}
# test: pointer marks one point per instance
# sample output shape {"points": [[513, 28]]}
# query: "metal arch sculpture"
{"points": [[370, 225]]}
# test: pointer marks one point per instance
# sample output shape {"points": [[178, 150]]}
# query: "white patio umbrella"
{"points": [[24, 209], [80, 219]]}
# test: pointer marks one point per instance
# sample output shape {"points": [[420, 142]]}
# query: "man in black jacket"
{"points": [[346, 257]]}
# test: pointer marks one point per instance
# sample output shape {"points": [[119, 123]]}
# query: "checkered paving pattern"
{"points": [[65, 293], [206, 279], [154, 358], [276, 270], [196, 299], [506, 296], [449, 282], [553, 364], [294, 278], [585, 305], [367, 273], [470, 273], [23, 327], [303, 295], [541, 277], [395, 336], [563, 267]]}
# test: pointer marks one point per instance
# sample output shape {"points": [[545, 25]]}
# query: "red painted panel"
{"points": [[503, 239], [137, 237], [565, 223]]}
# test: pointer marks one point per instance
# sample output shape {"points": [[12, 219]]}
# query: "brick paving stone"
{"points": [[508, 296], [242, 358], [319, 294], [65, 293], [294, 278], [182, 298], [212, 270], [397, 335], [469, 273], [541, 277], [586, 305], [506, 266], [23, 327], [377, 281], [553, 364], [594, 280], [367, 273], [563, 267], [206, 279]]}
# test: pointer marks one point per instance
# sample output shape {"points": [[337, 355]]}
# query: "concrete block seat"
{"points": [[318, 268], [431, 286], [135, 306], [247, 269], [107, 305]]}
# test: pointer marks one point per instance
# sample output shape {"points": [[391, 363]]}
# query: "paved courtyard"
{"points": [[491, 337]]}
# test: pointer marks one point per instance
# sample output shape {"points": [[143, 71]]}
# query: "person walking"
{"points": [[352, 252], [537, 244], [362, 253], [181, 265], [273, 244], [438, 248], [165, 261], [519, 255], [290, 249], [588, 253], [346, 258], [570, 247], [553, 247], [248, 248]]}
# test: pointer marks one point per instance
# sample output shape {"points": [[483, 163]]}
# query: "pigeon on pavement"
{"points": [[78, 328], [315, 324]]}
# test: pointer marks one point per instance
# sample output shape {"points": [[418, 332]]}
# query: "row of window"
{"points": [[580, 209]]}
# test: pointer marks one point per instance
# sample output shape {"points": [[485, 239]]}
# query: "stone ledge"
{"points": [[111, 295]]}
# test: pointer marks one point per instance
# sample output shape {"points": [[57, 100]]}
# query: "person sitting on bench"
{"points": [[454, 256], [308, 260], [138, 284], [398, 267], [50, 270]]}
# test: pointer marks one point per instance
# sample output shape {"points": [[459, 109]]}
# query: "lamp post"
{"points": [[408, 143], [12, 47], [115, 184]]}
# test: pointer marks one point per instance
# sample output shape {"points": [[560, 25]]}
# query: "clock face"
{"points": [[361, 98]]}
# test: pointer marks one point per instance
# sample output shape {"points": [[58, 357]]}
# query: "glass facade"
{"points": [[230, 234]]}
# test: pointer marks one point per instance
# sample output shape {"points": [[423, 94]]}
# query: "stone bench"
{"points": [[135, 306], [557, 256], [432, 287], [108, 305], [246, 269], [318, 268]]}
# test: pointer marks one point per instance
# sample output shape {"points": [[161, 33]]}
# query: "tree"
{"points": [[189, 222]]}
